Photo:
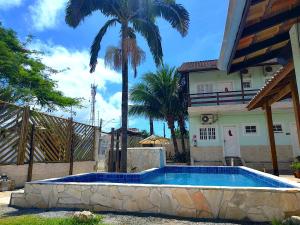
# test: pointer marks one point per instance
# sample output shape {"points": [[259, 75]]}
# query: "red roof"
{"points": [[198, 66]]}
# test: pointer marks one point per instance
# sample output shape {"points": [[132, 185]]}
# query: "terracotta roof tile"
{"points": [[198, 66]]}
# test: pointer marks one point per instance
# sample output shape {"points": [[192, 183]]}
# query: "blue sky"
{"points": [[66, 47]]}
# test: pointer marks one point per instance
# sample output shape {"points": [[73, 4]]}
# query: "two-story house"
{"points": [[222, 130]]}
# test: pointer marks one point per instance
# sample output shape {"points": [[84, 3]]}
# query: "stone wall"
{"points": [[226, 203], [143, 158], [18, 173], [256, 157]]}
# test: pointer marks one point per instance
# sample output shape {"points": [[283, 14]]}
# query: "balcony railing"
{"points": [[222, 98]]}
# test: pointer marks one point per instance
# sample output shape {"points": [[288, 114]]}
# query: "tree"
{"points": [[24, 79], [157, 95], [134, 16], [144, 104]]}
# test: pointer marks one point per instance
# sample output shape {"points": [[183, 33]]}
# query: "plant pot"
{"points": [[297, 173]]}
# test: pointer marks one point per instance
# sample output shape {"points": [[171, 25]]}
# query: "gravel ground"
{"points": [[122, 219]]}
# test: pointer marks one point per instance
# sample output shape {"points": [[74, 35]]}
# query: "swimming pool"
{"points": [[185, 175], [196, 192]]}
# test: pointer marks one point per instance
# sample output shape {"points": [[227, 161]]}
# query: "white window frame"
{"points": [[250, 134], [225, 81], [207, 133], [205, 83], [246, 78]]}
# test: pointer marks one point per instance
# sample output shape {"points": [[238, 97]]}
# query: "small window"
{"points": [[211, 133], [203, 133], [207, 133], [250, 129], [277, 128], [247, 84]]}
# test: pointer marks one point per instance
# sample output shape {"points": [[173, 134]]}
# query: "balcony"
{"points": [[221, 98]]}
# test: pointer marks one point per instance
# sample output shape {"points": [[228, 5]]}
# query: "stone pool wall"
{"points": [[256, 204]]}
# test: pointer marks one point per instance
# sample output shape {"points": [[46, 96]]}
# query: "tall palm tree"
{"points": [[133, 16]]}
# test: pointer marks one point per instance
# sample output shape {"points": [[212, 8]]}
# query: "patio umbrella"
{"points": [[153, 139]]}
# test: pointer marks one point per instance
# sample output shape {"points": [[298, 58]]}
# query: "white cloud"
{"points": [[46, 13], [4, 4], [76, 81]]}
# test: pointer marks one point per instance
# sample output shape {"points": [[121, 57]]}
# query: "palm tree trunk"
{"points": [[124, 102], [172, 128], [182, 132], [151, 125]]}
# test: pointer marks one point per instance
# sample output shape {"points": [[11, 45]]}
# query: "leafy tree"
{"points": [[24, 79], [134, 16]]}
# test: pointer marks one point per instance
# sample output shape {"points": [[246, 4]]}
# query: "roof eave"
{"points": [[234, 24]]}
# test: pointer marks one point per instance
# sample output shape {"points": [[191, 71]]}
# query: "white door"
{"points": [[225, 86], [231, 143], [295, 142]]}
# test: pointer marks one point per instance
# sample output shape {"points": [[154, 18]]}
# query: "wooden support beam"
{"points": [[118, 152], [71, 145], [270, 22], [23, 136], [295, 98], [254, 61], [31, 154], [261, 45], [111, 151], [271, 138], [280, 95]]}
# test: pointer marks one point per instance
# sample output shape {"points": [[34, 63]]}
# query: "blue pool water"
{"points": [[205, 179], [176, 175]]}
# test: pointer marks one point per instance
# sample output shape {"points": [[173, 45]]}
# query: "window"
{"points": [[277, 128], [250, 129], [207, 133], [247, 84], [205, 88], [203, 133]]}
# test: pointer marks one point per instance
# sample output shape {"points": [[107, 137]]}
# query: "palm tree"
{"points": [[157, 96], [144, 104], [133, 16]]}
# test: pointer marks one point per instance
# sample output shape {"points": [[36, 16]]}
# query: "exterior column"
{"points": [[271, 138], [295, 38], [296, 106]]}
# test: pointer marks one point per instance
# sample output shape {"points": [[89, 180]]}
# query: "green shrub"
{"points": [[295, 165]]}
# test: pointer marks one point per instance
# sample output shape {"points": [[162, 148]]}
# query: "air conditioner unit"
{"points": [[268, 71], [208, 118]]}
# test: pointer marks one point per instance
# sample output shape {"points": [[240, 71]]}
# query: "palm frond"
{"points": [[150, 32], [96, 43], [174, 13], [77, 10], [113, 58]]}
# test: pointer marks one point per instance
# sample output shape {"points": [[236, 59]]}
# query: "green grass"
{"points": [[36, 220]]}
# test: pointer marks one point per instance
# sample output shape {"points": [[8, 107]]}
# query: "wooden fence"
{"points": [[27, 136]]}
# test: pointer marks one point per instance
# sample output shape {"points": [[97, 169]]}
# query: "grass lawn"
{"points": [[36, 220]]}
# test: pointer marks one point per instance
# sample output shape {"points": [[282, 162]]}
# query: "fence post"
{"points": [[31, 153], [71, 145], [96, 145], [111, 151], [118, 152], [23, 136]]}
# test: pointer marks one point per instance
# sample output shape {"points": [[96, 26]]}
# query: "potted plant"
{"points": [[296, 168]]}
